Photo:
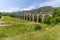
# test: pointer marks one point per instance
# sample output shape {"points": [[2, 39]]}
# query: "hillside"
{"points": [[38, 10], [17, 28], [11, 19], [43, 9], [27, 30], [48, 34]]}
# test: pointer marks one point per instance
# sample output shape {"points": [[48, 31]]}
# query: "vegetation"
{"points": [[11, 19], [20, 30], [47, 20], [37, 27], [49, 34], [16, 29], [43, 9]]}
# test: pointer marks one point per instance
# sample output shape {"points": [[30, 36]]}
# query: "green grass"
{"points": [[11, 19], [28, 32], [8, 32], [18, 29], [52, 33], [49, 34]]}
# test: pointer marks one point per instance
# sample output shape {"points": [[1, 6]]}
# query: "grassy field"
{"points": [[11, 19], [19, 29], [47, 34], [28, 32]]}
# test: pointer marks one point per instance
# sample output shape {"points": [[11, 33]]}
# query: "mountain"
{"points": [[41, 9], [44, 9]]}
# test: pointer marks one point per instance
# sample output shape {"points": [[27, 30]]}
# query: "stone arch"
{"points": [[40, 18], [35, 17]]}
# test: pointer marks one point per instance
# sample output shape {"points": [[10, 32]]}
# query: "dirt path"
{"points": [[7, 22], [3, 23]]}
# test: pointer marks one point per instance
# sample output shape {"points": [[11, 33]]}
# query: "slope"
{"points": [[52, 33]]}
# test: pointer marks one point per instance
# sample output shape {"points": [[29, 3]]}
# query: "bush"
{"points": [[56, 16], [38, 27], [55, 20], [47, 20], [3, 35]]}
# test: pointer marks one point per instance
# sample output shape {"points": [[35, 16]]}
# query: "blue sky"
{"points": [[17, 5]]}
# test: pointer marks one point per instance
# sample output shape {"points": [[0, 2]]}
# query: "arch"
{"points": [[34, 17]]}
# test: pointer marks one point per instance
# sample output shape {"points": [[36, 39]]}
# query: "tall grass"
{"points": [[48, 34]]}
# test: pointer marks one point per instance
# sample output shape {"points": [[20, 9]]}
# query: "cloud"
{"points": [[18, 9], [29, 8], [10, 10], [54, 3]]}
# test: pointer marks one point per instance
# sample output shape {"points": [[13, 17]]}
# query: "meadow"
{"points": [[17, 27], [27, 30]]}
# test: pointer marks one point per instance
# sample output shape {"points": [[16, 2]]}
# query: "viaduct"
{"points": [[32, 17]]}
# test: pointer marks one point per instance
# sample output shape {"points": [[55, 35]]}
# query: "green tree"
{"points": [[56, 16], [47, 20]]}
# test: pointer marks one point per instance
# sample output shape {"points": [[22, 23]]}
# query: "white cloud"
{"points": [[17, 9], [10, 10], [29, 8], [5, 11], [54, 3]]}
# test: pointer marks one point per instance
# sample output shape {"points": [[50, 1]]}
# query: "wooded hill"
{"points": [[45, 9], [38, 10]]}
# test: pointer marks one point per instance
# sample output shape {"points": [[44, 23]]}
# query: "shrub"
{"points": [[3, 35], [47, 20], [55, 20], [37, 27]]}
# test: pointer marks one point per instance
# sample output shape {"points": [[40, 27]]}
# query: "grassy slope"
{"points": [[10, 19], [18, 29], [15, 29], [27, 32], [49, 34]]}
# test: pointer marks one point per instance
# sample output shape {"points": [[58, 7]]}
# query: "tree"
{"points": [[56, 16], [47, 20]]}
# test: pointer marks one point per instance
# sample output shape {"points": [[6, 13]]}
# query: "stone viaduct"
{"points": [[32, 17]]}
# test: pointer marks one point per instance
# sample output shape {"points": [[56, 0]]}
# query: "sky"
{"points": [[19, 5]]}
